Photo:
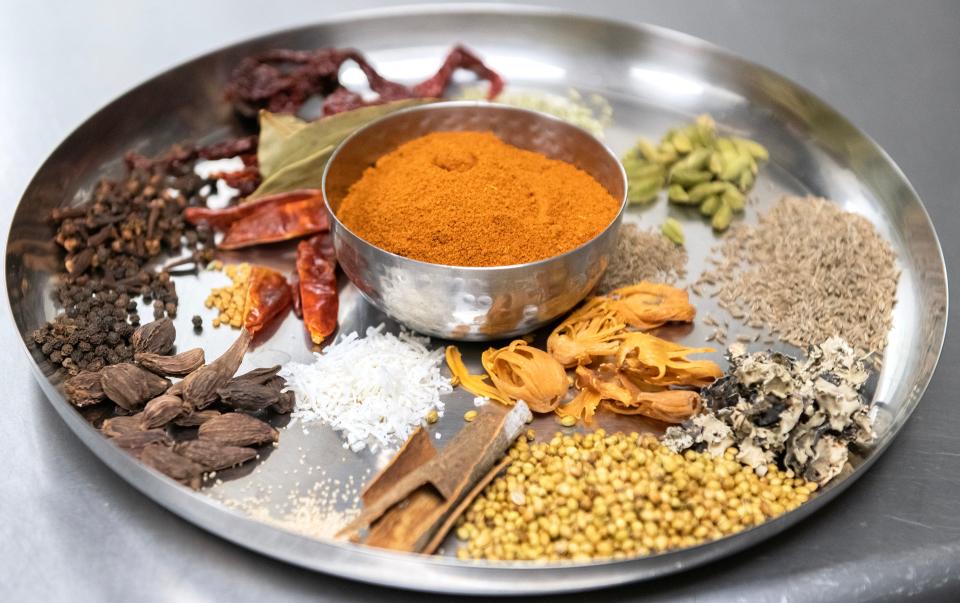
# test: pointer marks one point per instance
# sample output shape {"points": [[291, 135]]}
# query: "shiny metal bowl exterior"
{"points": [[470, 303]]}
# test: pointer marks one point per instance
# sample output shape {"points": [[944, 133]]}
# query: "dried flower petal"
{"points": [[522, 372], [474, 384], [647, 306], [591, 331]]}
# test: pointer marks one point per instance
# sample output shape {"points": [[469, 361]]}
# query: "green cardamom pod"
{"points": [[755, 149], [689, 177], [745, 181], [710, 206], [703, 190], [644, 190], [677, 194], [716, 162], [721, 220], [681, 142], [673, 231], [734, 198], [696, 160], [735, 166]]}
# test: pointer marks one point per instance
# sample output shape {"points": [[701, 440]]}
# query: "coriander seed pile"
{"points": [[581, 497]]}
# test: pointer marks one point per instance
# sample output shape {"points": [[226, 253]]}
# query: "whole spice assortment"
{"points": [[808, 271], [281, 81], [152, 412], [109, 239], [469, 199], [643, 255], [801, 415], [739, 447], [374, 389], [621, 370], [700, 169], [600, 496]]}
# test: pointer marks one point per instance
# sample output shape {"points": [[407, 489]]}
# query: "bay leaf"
{"points": [[275, 129], [292, 155]]}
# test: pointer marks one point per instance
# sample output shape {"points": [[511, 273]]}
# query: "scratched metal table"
{"points": [[71, 529]]}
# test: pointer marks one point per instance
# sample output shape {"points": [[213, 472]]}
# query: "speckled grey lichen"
{"points": [[803, 415]]}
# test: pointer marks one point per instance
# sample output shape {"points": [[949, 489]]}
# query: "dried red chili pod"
{"points": [[458, 58], [316, 267], [221, 219], [267, 297], [274, 223]]}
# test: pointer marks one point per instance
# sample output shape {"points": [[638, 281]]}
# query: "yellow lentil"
{"points": [[230, 300], [470, 415]]}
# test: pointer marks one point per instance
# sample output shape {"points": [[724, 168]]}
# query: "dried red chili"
{"points": [[316, 267], [221, 219], [274, 223], [180, 155], [268, 296], [281, 81]]}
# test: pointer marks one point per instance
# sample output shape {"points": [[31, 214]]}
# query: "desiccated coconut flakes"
{"points": [[375, 390]]}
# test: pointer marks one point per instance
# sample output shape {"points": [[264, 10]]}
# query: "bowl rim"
{"points": [[480, 105]]}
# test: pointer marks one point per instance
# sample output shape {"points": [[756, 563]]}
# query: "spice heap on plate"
{"points": [[803, 415], [643, 255], [470, 199], [109, 240], [598, 496], [700, 168], [375, 389], [593, 113], [808, 271], [618, 366], [154, 419]]}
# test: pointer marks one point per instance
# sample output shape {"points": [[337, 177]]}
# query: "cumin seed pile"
{"points": [[807, 271], [643, 255]]}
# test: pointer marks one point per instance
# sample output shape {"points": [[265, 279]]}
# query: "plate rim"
{"points": [[555, 578]]}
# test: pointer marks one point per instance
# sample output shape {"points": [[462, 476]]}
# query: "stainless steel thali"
{"points": [[654, 79]]}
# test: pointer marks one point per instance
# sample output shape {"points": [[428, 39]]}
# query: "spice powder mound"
{"points": [[470, 199]]}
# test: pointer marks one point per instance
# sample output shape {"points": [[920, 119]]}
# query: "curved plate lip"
{"points": [[563, 579]]}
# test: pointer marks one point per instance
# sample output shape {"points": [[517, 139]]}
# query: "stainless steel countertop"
{"points": [[71, 530]]}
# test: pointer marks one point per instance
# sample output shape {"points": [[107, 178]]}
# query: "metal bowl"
{"points": [[472, 303]]}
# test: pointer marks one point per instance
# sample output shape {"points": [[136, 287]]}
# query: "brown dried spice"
{"points": [[156, 337], [213, 456], [200, 387], [238, 429], [166, 461], [130, 386], [161, 410], [286, 404], [258, 376], [182, 364], [135, 441], [196, 418], [248, 397], [84, 389], [118, 426]]}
